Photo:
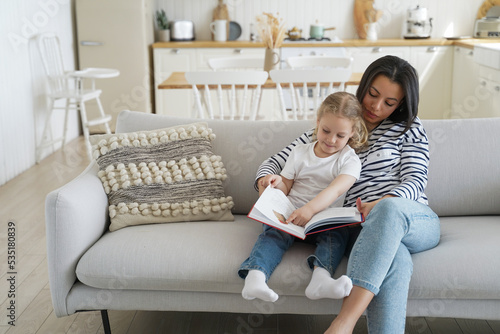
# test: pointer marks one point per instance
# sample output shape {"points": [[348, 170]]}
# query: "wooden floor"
{"points": [[22, 202]]}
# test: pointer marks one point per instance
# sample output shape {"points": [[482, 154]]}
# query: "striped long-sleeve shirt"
{"points": [[392, 163]]}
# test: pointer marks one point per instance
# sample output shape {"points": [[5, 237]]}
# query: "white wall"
{"points": [[23, 105], [456, 17]]}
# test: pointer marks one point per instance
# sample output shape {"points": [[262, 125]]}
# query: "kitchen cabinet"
{"points": [[434, 65], [364, 56], [486, 98], [173, 102], [204, 54], [468, 95]]}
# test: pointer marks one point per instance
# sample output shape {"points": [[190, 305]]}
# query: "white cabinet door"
{"points": [[204, 54], [173, 102], [364, 56], [486, 94], [434, 65], [468, 93]]}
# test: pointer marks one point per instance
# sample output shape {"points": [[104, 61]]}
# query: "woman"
{"points": [[389, 193]]}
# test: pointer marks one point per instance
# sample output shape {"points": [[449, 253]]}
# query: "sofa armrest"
{"points": [[76, 216]]}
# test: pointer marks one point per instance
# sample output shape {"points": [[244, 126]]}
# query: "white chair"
{"points": [[249, 82], [236, 63], [316, 84], [69, 86], [310, 80]]}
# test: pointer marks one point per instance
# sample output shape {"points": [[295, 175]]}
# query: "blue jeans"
{"points": [[380, 260], [273, 243]]}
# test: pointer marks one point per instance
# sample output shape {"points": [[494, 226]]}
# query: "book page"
{"points": [[332, 216], [273, 208], [345, 215], [275, 205]]}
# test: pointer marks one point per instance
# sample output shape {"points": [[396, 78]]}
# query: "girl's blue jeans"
{"points": [[273, 243], [380, 260]]}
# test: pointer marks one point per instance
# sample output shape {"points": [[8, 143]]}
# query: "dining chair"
{"points": [[248, 83], [69, 85], [238, 63], [310, 79]]}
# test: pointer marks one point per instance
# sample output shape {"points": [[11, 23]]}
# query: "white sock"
{"points": [[256, 287], [322, 285]]}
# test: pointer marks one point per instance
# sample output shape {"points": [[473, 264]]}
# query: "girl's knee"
{"points": [[278, 236]]}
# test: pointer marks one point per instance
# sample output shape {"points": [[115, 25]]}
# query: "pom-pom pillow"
{"points": [[162, 176]]}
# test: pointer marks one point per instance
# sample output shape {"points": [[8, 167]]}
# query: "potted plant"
{"points": [[163, 26]]}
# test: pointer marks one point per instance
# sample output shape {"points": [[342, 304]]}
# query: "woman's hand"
{"points": [[301, 216], [271, 179], [365, 207]]}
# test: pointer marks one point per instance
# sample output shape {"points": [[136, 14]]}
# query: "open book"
{"points": [[273, 208]]}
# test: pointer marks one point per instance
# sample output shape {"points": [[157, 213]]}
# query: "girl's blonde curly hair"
{"points": [[346, 105]]}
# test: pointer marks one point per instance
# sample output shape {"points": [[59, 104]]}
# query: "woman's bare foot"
{"points": [[352, 308]]}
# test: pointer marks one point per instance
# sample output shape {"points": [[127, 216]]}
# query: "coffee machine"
{"points": [[417, 24]]}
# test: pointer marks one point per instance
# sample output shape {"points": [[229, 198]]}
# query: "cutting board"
{"points": [[485, 7], [361, 8], [221, 13]]}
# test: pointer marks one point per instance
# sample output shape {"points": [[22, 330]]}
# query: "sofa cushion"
{"points": [[465, 263], [206, 257], [250, 144], [167, 175], [463, 169]]}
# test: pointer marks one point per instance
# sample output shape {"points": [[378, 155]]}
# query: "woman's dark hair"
{"points": [[401, 72]]}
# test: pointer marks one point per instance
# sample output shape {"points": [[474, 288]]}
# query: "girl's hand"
{"points": [[301, 216], [365, 208]]}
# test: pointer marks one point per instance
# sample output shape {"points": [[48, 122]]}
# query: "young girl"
{"points": [[316, 176]]}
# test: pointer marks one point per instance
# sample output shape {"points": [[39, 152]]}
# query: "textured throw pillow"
{"points": [[162, 176]]}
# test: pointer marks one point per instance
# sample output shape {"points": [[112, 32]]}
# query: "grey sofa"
{"points": [[193, 266]]}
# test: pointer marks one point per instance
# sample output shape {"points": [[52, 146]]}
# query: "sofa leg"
{"points": [[105, 322]]}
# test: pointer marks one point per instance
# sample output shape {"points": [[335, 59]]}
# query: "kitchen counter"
{"points": [[467, 43]]}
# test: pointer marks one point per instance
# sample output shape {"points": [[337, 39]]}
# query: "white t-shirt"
{"points": [[312, 174]]}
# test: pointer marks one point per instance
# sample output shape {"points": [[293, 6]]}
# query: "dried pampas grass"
{"points": [[271, 30]]}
